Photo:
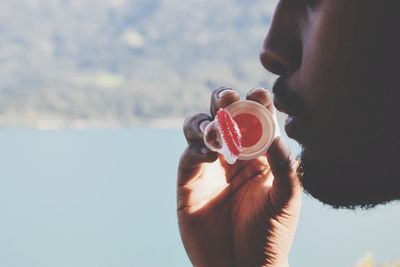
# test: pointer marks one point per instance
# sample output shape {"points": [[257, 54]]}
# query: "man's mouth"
{"points": [[292, 123], [287, 102], [295, 128], [281, 106]]}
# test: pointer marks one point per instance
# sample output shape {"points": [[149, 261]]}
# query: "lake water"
{"points": [[98, 198]]}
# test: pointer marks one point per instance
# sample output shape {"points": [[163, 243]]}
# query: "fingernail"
{"points": [[225, 92], [258, 89], [203, 125]]}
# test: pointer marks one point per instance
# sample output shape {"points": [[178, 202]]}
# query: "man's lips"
{"points": [[288, 102], [287, 107], [281, 107], [291, 116]]}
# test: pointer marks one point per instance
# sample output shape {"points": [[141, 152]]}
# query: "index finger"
{"points": [[265, 98], [262, 96], [221, 98], [192, 160]]}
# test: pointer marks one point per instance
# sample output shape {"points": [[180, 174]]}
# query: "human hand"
{"points": [[236, 215]]}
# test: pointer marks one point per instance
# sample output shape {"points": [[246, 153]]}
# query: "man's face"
{"points": [[337, 61]]}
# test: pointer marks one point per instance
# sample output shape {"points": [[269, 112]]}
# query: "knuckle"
{"points": [[288, 164], [187, 157], [259, 165], [193, 155]]}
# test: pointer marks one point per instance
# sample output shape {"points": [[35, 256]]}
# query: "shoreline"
{"points": [[54, 125]]}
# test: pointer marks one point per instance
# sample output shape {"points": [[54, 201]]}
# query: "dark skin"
{"points": [[231, 215], [338, 63]]}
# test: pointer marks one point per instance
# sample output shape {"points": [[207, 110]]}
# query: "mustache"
{"points": [[292, 102]]}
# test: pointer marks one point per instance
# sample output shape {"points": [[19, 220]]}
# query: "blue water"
{"points": [[107, 198]]}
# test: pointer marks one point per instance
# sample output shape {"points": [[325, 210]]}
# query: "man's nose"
{"points": [[281, 51]]}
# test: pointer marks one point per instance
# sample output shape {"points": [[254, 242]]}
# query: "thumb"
{"points": [[286, 183], [191, 162]]}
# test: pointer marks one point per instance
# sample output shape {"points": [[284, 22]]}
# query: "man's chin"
{"points": [[346, 186], [339, 198]]}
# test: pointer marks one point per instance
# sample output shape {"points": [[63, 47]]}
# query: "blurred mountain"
{"points": [[121, 62]]}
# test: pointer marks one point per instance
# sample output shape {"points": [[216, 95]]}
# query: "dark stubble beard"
{"points": [[364, 183], [371, 176]]}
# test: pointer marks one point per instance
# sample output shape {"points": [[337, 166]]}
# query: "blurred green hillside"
{"points": [[79, 63]]}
